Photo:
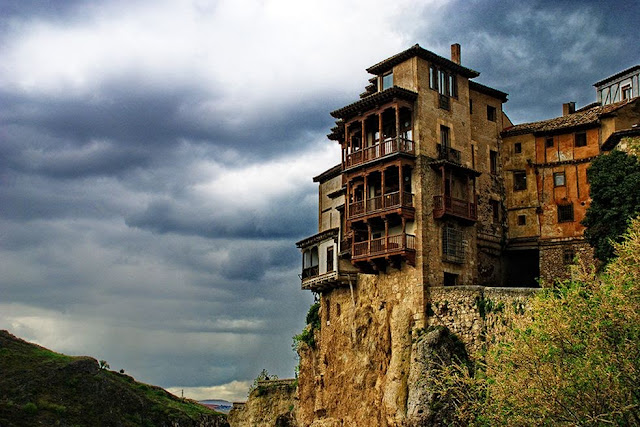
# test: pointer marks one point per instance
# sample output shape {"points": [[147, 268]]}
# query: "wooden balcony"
{"points": [[449, 154], [399, 244], [329, 280], [386, 148], [380, 204], [458, 208]]}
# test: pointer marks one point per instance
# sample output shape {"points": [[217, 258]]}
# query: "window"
{"points": [[491, 113], [493, 161], [517, 148], [495, 210], [558, 179], [453, 86], [310, 262], [470, 106], [548, 142], [444, 137], [519, 180], [452, 250], [450, 279], [565, 213], [568, 255], [444, 82], [522, 220], [387, 81], [329, 259], [626, 92], [581, 139], [433, 78]]}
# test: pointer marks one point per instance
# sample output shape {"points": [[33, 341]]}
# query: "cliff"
{"points": [[41, 387], [271, 403]]}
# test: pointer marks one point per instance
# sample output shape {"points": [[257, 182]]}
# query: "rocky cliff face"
{"points": [[272, 403], [357, 375]]}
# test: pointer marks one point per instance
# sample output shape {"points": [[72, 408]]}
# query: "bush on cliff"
{"points": [[575, 361], [614, 182]]}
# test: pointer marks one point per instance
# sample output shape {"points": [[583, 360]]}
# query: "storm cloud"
{"points": [[156, 157]]}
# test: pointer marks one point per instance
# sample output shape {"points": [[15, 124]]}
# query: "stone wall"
{"points": [[271, 403], [476, 314], [556, 259]]}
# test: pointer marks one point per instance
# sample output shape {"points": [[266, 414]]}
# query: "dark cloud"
{"points": [[148, 214]]}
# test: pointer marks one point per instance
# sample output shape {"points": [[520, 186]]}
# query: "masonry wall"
{"points": [[556, 259], [477, 315]]}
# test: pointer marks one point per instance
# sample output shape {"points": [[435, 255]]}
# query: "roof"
{"points": [[319, 237], [374, 100], [581, 119], [328, 174], [615, 137], [617, 75], [425, 54], [488, 91]]}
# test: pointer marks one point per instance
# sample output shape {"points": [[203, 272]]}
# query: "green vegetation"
{"points": [[574, 361], [264, 375], [41, 387], [307, 336], [614, 182]]}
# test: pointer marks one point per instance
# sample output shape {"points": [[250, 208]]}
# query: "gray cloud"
{"points": [[154, 175]]}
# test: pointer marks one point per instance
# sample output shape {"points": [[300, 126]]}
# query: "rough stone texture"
{"points": [[357, 375], [552, 260], [432, 349], [267, 406], [477, 315]]}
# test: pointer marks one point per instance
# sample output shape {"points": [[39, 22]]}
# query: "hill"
{"points": [[41, 387]]}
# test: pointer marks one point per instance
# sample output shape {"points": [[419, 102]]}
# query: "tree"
{"points": [[614, 181], [574, 361]]}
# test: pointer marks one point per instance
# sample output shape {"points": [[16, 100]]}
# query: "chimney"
{"points": [[455, 53], [568, 108]]}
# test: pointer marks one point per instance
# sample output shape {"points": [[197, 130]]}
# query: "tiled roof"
{"points": [[373, 100], [328, 174], [420, 52], [583, 118], [488, 91]]}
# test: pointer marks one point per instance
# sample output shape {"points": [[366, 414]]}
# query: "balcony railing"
{"points": [[310, 272], [383, 246], [448, 153], [381, 203], [387, 147], [447, 205]]}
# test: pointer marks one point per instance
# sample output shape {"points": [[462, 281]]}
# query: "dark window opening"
{"points": [[329, 259], [581, 139], [450, 279], [522, 220], [444, 136], [568, 256], [565, 213], [493, 161], [519, 180], [470, 106], [559, 179], [491, 113], [495, 210], [517, 148], [548, 142]]}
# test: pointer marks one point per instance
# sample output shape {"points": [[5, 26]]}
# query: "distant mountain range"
{"points": [[217, 405]]}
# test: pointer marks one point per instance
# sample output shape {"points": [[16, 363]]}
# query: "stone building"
{"points": [[547, 192], [437, 195]]}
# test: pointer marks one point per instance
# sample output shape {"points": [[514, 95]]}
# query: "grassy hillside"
{"points": [[41, 387]]}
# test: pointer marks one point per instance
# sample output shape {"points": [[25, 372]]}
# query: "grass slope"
{"points": [[41, 387]]}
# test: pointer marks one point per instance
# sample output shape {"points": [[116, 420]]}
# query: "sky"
{"points": [[156, 157]]}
